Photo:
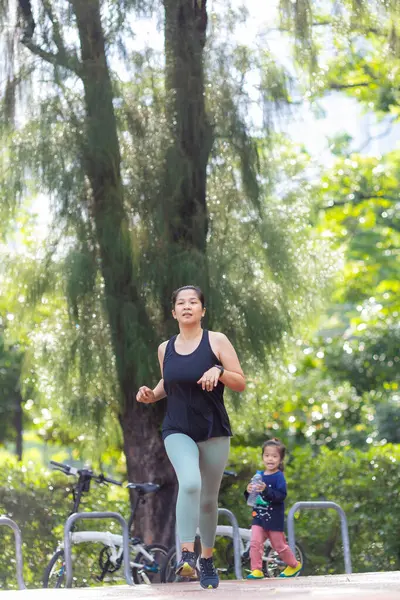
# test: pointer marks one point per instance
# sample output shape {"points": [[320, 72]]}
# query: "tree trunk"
{"points": [[185, 219], [131, 330], [147, 461]]}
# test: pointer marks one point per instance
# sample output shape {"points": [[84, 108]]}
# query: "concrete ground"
{"points": [[366, 586]]}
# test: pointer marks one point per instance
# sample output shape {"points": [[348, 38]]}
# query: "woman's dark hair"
{"points": [[198, 291], [275, 443]]}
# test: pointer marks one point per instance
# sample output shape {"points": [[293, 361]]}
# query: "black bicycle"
{"points": [[146, 559]]}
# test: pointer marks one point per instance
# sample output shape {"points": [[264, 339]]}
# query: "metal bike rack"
{"points": [[95, 515], [236, 540], [18, 549], [317, 506], [235, 536]]}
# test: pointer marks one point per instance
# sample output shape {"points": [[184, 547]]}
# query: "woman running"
{"points": [[196, 365]]}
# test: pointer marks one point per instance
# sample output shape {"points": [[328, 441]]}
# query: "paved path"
{"points": [[369, 586]]}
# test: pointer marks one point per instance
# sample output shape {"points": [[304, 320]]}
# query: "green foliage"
{"points": [[359, 341], [259, 296], [346, 21], [368, 70], [10, 394], [369, 361], [364, 484], [359, 200], [67, 383]]}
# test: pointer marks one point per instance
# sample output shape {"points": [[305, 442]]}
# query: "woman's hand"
{"points": [[210, 379], [145, 395]]}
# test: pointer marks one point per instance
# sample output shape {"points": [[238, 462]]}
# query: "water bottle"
{"points": [[251, 500]]}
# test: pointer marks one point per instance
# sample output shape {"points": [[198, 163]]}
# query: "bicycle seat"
{"points": [[144, 488]]}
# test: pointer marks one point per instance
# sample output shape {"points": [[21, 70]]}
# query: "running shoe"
{"points": [[208, 575], [186, 567]]}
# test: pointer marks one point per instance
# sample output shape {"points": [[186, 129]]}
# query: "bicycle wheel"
{"points": [[151, 571], [168, 574], [273, 565], [54, 574]]}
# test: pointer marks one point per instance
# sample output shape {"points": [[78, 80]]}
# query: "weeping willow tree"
{"points": [[126, 171], [71, 144], [183, 200]]}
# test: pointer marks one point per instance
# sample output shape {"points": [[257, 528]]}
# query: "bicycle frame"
{"points": [[113, 541]]}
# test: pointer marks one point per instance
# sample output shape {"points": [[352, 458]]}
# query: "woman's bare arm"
{"points": [[147, 395], [233, 376]]}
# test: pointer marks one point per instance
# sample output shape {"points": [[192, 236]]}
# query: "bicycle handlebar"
{"points": [[101, 478], [68, 470], [230, 473], [57, 464]]}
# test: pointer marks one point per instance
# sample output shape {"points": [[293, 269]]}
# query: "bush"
{"points": [[364, 484], [39, 501]]}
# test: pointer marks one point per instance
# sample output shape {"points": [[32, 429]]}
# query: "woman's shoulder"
{"points": [[217, 336], [218, 342], [161, 348]]}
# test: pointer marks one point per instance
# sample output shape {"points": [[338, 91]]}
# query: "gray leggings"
{"points": [[199, 468]]}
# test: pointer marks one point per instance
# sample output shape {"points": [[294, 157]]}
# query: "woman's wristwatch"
{"points": [[221, 368]]}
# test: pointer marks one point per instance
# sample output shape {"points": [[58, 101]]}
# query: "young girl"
{"points": [[268, 514]]}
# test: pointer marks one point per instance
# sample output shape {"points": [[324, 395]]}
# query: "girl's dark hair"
{"points": [[198, 291], [275, 443]]}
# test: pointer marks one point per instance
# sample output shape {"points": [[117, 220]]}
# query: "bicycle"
{"points": [[147, 559]]}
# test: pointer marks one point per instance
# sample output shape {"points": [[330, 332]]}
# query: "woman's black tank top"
{"points": [[190, 410]]}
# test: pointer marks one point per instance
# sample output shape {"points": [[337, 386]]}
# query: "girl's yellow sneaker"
{"points": [[292, 571], [256, 574]]}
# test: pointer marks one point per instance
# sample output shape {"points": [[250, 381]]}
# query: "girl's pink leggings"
{"points": [[278, 543]]}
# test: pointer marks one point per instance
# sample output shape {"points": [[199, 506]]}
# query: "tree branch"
{"points": [[289, 30], [62, 58], [26, 10], [67, 61], [372, 138], [362, 197], [56, 27], [344, 86]]}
